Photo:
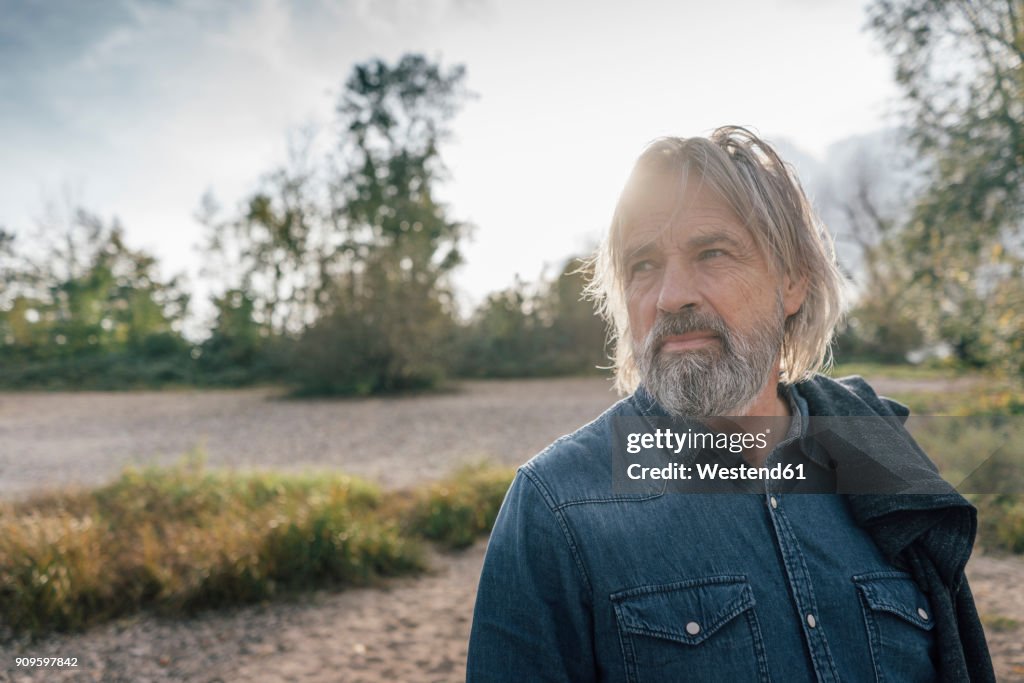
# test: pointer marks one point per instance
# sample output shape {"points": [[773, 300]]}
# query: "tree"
{"points": [[961, 67], [348, 255], [389, 318], [83, 298], [864, 199], [394, 119], [581, 335], [504, 337], [277, 249], [237, 350], [541, 330]]}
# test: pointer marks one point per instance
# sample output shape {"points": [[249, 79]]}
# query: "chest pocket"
{"points": [[702, 629], [899, 623]]}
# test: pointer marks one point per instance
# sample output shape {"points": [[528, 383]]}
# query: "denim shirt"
{"points": [[582, 584]]}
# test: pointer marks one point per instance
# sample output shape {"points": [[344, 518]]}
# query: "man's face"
{"points": [[705, 309]]}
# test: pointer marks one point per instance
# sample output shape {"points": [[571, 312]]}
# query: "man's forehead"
{"points": [[651, 224]]}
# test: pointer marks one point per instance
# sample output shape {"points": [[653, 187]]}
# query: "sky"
{"points": [[136, 108]]}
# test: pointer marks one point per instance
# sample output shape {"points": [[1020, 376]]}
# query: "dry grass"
{"points": [[183, 538]]}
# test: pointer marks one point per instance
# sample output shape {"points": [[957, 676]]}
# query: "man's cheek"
{"points": [[639, 329], [641, 320]]}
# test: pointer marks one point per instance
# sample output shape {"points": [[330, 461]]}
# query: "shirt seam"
{"points": [[623, 498], [549, 501]]}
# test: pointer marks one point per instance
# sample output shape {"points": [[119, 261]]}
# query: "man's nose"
{"points": [[678, 288]]}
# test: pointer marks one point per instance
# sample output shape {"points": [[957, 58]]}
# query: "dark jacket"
{"points": [[932, 535]]}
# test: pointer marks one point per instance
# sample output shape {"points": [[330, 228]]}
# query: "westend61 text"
{"points": [[716, 472]]}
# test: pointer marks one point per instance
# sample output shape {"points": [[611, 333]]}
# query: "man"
{"points": [[723, 292]]}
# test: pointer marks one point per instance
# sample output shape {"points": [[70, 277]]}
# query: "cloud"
{"points": [[146, 104]]}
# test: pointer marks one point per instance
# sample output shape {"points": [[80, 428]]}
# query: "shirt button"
{"points": [[774, 503], [921, 613], [811, 621], [693, 628]]}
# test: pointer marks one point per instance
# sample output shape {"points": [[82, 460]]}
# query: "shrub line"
{"points": [[180, 539]]}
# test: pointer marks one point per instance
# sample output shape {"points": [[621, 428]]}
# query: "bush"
{"points": [[148, 367], [1000, 522], [183, 538], [391, 336], [456, 511], [979, 441], [541, 331]]}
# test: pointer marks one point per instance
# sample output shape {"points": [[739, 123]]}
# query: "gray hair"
{"points": [[766, 195]]}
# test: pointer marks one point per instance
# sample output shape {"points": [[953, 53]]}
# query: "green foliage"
{"points": [[88, 311], [239, 350], [1000, 522], [391, 335], [888, 371], [552, 331], [879, 329], [977, 435], [273, 254], [504, 338], [961, 67], [389, 315], [338, 267], [456, 511], [988, 397], [184, 538], [111, 370], [982, 443], [334, 275], [982, 452], [881, 326], [998, 623], [864, 337]]}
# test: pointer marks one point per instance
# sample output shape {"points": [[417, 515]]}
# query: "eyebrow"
{"points": [[695, 242], [713, 238], [643, 250]]}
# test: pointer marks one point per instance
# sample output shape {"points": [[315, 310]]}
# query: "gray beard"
{"points": [[723, 379]]}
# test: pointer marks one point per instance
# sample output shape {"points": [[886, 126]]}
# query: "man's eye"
{"points": [[641, 266], [711, 253]]}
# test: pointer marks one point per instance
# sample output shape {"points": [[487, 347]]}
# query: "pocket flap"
{"points": [[896, 593], [686, 612]]}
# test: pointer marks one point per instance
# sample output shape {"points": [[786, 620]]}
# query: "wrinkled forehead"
{"points": [[687, 221], [666, 209]]}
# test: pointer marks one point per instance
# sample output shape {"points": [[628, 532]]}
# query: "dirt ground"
{"points": [[411, 629], [55, 439]]}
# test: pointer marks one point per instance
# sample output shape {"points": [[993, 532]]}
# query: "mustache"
{"points": [[673, 324]]}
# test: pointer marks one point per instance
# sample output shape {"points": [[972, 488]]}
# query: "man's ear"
{"points": [[794, 291]]}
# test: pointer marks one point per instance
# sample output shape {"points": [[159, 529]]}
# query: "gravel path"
{"points": [[407, 630], [54, 439]]}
